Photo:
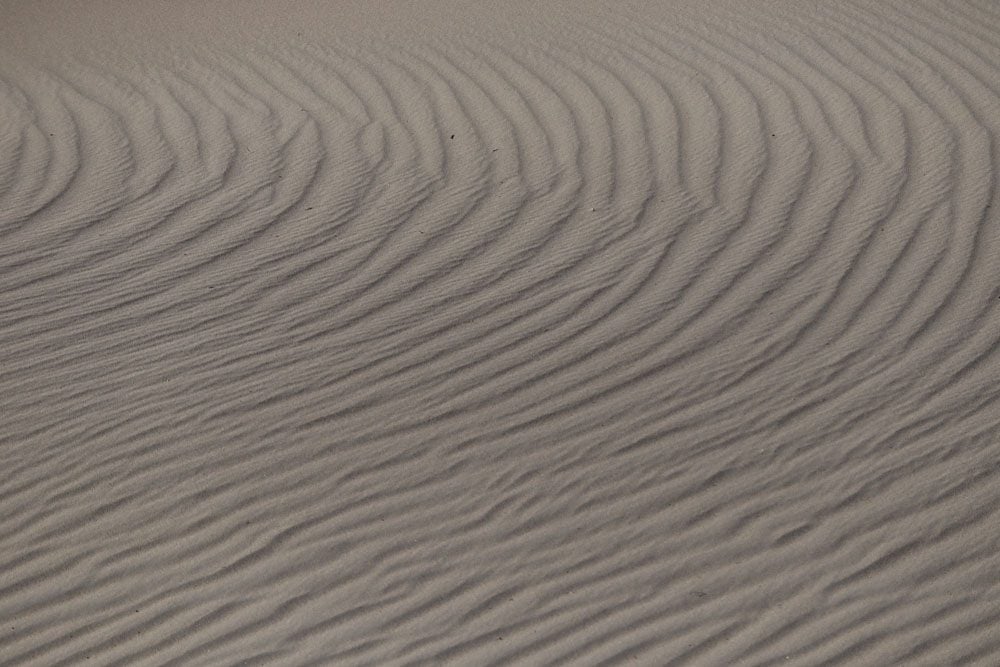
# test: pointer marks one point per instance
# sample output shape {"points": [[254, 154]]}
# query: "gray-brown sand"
{"points": [[374, 333]]}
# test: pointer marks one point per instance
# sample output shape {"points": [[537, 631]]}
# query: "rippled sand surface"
{"points": [[515, 334]]}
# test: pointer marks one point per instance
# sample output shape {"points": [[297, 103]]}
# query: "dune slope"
{"points": [[647, 333]]}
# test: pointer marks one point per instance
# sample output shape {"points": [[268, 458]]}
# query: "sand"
{"points": [[579, 333]]}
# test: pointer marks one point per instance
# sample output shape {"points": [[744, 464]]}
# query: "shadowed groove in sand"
{"points": [[666, 338]]}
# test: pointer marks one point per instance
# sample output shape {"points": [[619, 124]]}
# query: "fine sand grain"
{"points": [[417, 333]]}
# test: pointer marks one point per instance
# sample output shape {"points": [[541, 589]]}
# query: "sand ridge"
{"points": [[664, 335]]}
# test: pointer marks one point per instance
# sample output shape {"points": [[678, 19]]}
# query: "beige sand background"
{"points": [[521, 333]]}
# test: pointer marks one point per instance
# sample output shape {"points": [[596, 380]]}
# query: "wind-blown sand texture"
{"points": [[643, 333]]}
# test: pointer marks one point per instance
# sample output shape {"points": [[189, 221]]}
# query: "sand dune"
{"points": [[645, 333]]}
